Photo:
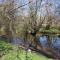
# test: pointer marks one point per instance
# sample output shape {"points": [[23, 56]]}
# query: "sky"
{"points": [[54, 2]]}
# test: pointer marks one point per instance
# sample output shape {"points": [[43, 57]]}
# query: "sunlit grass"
{"points": [[50, 31], [20, 54]]}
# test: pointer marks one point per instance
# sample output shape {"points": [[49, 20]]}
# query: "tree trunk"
{"points": [[49, 43]]}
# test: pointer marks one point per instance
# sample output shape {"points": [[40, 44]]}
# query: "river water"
{"points": [[53, 39], [45, 40]]}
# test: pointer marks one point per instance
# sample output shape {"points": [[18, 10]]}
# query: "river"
{"points": [[53, 39]]}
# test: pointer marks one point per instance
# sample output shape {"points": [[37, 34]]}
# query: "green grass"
{"points": [[50, 31], [13, 53]]}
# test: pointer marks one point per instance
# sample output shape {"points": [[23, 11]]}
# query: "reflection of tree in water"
{"points": [[50, 41], [46, 40]]}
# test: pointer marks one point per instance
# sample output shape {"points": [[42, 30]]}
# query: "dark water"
{"points": [[54, 41], [17, 41], [43, 39]]}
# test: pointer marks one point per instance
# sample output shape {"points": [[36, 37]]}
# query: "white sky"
{"points": [[54, 2]]}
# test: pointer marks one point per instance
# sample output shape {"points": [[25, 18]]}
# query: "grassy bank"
{"points": [[11, 52], [50, 31]]}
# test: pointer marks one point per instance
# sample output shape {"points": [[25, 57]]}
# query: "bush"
{"points": [[47, 27], [5, 47]]}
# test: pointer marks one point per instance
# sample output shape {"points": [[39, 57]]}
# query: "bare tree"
{"points": [[33, 26], [7, 18]]}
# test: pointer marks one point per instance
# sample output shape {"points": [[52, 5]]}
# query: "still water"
{"points": [[53, 39], [45, 40]]}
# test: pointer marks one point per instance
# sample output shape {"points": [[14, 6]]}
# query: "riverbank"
{"points": [[9, 52], [50, 31]]}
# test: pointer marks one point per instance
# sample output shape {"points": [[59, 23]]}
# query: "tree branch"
{"points": [[20, 6]]}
